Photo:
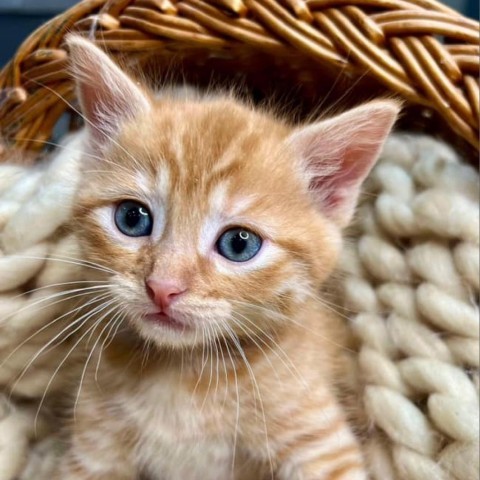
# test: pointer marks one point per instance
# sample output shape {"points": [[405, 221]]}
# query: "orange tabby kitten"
{"points": [[219, 224]]}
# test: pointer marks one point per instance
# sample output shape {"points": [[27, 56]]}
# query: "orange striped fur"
{"points": [[249, 389]]}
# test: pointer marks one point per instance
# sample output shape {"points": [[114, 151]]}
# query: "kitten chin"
{"points": [[214, 225]]}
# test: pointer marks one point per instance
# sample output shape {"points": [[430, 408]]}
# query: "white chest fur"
{"points": [[179, 435]]}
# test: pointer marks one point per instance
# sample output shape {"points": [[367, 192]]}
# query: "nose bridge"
{"points": [[174, 260], [176, 252]]}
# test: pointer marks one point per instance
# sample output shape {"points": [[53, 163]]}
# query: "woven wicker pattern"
{"points": [[412, 272], [394, 43]]}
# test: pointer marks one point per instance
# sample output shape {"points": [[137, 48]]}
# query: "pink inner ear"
{"points": [[94, 102], [339, 153], [333, 189], [107, 95]]}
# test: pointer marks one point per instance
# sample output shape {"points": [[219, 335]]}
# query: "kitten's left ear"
{"points": [[337, 155], [108, 97]]}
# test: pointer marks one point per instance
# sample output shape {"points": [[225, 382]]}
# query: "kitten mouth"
{"points": [[164, 320]]}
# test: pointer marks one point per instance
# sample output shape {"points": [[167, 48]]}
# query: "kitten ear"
{"points": [[107, 95], [337, 155]]}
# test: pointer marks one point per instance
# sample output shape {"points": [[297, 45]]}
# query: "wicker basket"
{"points": [[311, 55], [318, 50]]}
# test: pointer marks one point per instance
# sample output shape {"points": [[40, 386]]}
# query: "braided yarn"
{"points": [[36, 272], [410, 280], [412, 276]]}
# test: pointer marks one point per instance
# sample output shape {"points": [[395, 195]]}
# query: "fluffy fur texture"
{"points": [[402, 355], [241, 380]]}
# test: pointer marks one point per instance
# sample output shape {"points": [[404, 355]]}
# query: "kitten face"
{"points": [[218, 220], [206, 174]]}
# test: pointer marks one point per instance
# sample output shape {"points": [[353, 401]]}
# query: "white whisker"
{"points": [[79, 321], [52, 322], [236, 342], [237, 413], [82, 377], [92, 313], [52, 285], [106, 342], [291, 367], [278, 315], [68, 260]]}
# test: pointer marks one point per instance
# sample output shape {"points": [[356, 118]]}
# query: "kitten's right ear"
{"points": [[107, 96]]}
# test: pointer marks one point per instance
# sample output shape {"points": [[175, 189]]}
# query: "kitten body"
{"points": [[218, 224], [208, 415]]}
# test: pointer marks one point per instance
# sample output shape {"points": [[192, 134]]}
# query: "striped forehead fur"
{"points": [[218, 155]]}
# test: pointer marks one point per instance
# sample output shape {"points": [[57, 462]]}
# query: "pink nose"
{"points": [[163, 292]]}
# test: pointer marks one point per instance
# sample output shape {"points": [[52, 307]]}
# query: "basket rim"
{"points": [[394, 41]]}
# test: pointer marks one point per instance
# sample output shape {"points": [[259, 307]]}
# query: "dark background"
{"points": [[20, 17]]}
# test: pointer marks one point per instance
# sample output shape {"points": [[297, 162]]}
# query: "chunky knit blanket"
{"points": [[410, 283]]}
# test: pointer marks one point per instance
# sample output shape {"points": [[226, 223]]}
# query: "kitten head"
{"points": [[216, 220]]}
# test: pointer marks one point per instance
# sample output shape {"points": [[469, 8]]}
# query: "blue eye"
{"points": [[238, 244], [133, 219]]}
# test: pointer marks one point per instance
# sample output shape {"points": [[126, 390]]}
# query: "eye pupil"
{"points": [[238, 244], [133, 219]]}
